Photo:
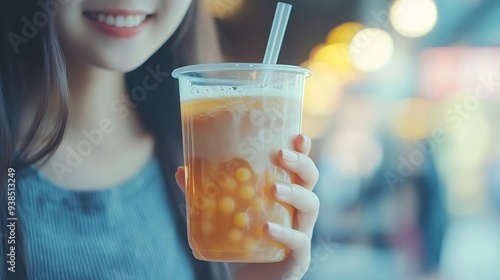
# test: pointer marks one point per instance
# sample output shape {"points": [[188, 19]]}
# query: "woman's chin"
{"points": [[124, 66]]}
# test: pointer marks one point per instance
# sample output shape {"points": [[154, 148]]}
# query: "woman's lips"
{"points": [[119, 23]]}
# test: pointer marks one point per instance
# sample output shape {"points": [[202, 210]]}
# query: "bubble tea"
{"points": [[235, 119]]}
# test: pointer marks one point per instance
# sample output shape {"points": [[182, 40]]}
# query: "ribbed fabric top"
{"points": [[122, 233]]}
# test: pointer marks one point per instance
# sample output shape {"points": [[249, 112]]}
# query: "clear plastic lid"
{"points": [[193, 70]]}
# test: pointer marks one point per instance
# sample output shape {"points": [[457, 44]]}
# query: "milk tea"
{"points": [[230, 147]]}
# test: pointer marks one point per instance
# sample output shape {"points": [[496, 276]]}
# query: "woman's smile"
{"points": [[119, 23]]}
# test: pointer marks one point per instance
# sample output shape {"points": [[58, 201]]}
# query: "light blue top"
{"points": [[123, 233]]}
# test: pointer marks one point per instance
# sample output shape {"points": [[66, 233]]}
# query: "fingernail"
{"points": [[282, 189], [289, 155], [274, 228], [305, 139]]}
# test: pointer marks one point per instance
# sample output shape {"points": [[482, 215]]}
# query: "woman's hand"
{"points": [[306, 203]]}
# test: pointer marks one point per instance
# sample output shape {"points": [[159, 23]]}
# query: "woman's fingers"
{"points": [[301, 165], [302, 199], [180, 178], [298, 242], [292, 238], [302, 144]]}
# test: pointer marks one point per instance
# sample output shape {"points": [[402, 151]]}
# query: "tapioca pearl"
{"points": [[226, 205], [256, 204], [241, 219], [247, 192], [207, 227], [242, 174], [249, 243], [230, 184], [235, 235]]}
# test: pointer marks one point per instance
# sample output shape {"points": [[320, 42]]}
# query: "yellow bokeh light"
{"points": [[337, 57], [322, 90], [316, 49], [412, 18], [343, 33], [371, 49], [315, 126], [223, 9], [334, 54], [411, 119]]}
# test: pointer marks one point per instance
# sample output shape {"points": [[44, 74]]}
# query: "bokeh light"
{"points": [[343, 33], [223, 9], [465, 192], [337, 57], [332, 68], [371, 49], [334, 54], [413, 18], [411, 118], [472, 143], [322, 94], [315, 126]]}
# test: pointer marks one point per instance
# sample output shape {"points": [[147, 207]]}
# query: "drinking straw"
{"points": [[277, 33]]}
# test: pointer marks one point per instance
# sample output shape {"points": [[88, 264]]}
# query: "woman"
{"points": [[90, 122]]}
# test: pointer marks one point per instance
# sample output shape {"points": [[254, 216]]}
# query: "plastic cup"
{"points": [[235, 119]]}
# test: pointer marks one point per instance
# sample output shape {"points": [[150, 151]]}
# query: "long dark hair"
{"points": [[36, 62]]}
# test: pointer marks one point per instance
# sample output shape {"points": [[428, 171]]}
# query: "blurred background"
{"points": [[403, 111]]}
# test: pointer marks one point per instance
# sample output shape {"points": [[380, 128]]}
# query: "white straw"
{"points": [[277, 33]]}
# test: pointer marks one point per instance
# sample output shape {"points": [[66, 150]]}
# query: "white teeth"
{"points": [[110, 20], [118, 21], [137, 20], [130, 21]]}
